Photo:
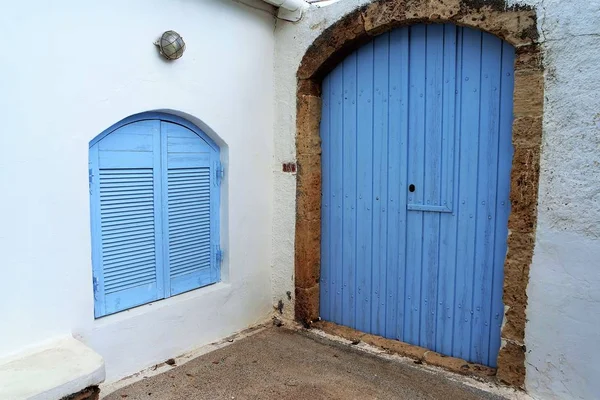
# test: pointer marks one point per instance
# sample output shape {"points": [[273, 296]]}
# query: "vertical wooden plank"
{"points": [[505, 154], [447, 167], [337, 168], [403, 51], [215, 193], [416, 159], [364, 181], [432, 183], [396, 183], [448, 223], [98, 275], [326, 262], [467, 239], [380, 165], [488, 165], [349, 184], [161, 206], [433, 110]]}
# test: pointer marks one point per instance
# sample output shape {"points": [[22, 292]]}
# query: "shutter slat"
{"points": [[111, 247], [115, 184], [125, 201], [116, 208], [130, 279], [127, 193], [186, 182], [133, 246], [190, 232], [190, 198], [198, 259], [186, 187], [189, 209], [117, 173], [126, 231], [129, 269], [188, 254], [198, 225], [131, 283], [115, 215], [111, 187], [190, 241], [200, 213], [128, 259], [130, 223], [186, 172], [115, 241], [126, 225], [191, 269], [139, 218]]}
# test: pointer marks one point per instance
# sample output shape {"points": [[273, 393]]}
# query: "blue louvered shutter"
{"points": [[126, 226], [190, 211]]}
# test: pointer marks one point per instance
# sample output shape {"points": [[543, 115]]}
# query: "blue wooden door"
{"points": [[416, 131]]}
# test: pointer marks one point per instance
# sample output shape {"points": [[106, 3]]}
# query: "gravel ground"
{"points": [[283, 364]]}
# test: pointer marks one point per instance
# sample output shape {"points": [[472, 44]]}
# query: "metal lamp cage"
{"points": [[171, 45]]}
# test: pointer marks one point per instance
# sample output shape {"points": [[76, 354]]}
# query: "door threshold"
{"points": [[419, 354]]}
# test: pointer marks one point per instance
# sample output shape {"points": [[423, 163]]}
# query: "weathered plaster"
{"points": [[562, 333], [568, 196], [564, 303]]}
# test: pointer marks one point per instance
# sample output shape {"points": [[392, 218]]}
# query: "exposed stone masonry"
{"points": [[516, 25]]}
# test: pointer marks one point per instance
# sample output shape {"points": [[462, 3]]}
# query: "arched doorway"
{"points": [[416, 129], [514, 24]]}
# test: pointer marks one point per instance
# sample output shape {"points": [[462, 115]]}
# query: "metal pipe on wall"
{"points": [[289, 10]]}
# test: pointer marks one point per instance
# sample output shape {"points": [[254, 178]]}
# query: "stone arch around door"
{"points": [[517, 26]]}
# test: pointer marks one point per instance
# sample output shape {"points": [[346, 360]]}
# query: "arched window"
{"points": [[154, 189]]}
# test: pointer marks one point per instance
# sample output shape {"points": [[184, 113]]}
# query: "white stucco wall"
{"points": [[563, 329], [564, 291], [72, 69]]}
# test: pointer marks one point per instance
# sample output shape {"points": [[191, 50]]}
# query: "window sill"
{"points": [[216, 288]]}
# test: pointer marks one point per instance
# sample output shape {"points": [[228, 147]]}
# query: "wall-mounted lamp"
{"points": [[171, 45]]}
